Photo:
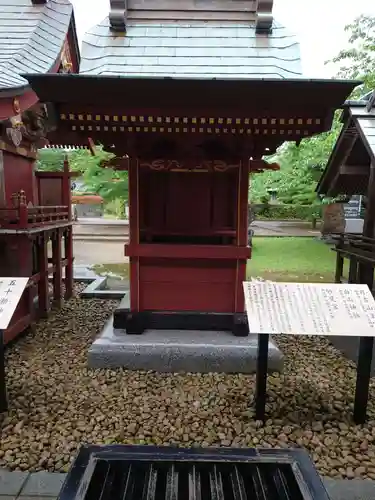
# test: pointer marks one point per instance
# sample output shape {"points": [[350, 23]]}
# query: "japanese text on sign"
{"points": [[11, 290], [310, 309]]}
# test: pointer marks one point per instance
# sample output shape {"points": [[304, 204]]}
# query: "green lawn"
{"points": [[291, 259], [120, 270], [279, 259]]}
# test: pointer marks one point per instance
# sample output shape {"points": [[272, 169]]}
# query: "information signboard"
{"points": [[11, 290], [310, 309], [352, 209]]}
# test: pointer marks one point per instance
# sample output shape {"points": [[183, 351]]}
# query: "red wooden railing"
{"points": [[25, 217]]}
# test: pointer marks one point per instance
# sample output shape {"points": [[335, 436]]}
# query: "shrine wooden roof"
{"points": [[31, 38], [348, 168], [224, 95], [86, 199], [205, 39], [132, 112]]}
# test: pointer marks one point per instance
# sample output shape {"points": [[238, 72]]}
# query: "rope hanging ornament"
{"points": [[117, 15]]}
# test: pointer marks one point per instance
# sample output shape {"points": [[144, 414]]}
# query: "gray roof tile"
{"points": [[367, 126], [180, 49], [31, 38]]}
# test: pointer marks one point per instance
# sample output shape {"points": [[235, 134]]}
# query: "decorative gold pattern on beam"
{"points": [[193, 130], [172, 165], [140, 119]]}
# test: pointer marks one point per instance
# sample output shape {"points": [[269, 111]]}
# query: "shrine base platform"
{"points": [[179, 351]]}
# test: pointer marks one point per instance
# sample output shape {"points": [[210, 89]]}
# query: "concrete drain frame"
{"points": [[97, 286], [97, 289]]}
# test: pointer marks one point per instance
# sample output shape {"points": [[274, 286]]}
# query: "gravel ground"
{"points": [[57, 403]]}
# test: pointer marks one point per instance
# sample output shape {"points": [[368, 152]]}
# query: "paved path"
{"points": [[27, 486], [47, 485], [117, 229], [101, 221], [102, 241], [94, 252], [283, 228]]}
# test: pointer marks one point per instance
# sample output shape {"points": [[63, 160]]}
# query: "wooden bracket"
{"points": [[92, 147], [351, 140], [264, 17], [354, 170], [118, 15]]}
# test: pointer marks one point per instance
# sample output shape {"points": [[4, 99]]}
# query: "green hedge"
{"points": [[288, 212]]}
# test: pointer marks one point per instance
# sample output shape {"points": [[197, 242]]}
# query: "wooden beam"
{"points": [[264, 17], [92, 146], [354, 170], [351, 141], [369, 222], [2, 181], [366, 344], [118, 15]]}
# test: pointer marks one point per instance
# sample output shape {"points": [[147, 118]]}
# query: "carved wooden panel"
{"points": [[187, 285], [66, 59], [18, 175], [50, 191], [171, 165], [195, 204]]}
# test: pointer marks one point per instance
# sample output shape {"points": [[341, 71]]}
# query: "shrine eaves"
{"points": [[159, 77]]}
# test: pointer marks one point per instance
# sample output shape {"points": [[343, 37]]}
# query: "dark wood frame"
{"points": [[29, 229], [359, 249], [362, 381], [3, 390]]}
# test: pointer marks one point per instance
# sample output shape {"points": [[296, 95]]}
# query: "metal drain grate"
{"points": [[149, 473]]}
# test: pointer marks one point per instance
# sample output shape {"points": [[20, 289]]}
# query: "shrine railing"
{"points": [[24, 217], [360, 252]]}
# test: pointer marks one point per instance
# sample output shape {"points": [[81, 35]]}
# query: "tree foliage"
{"points": [[301, 166], [51, 160], [358, 61], [107, 182]]}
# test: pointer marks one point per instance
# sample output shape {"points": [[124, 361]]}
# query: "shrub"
{"points": [[288, 212]]}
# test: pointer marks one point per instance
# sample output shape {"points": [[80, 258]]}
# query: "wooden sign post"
{"points": [[312, 309], [3, 393], [11, 290]]}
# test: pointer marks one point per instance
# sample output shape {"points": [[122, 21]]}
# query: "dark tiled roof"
{"points": [[211, 49], [31, 38], [360, 125]]}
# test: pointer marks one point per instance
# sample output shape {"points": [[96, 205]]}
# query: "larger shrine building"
{"points": [[189, 95]]}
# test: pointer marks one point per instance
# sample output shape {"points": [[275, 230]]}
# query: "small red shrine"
{"points": [[35, 212], [190, 97]]}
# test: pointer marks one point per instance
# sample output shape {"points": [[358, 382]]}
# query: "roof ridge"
{"points": [[120, 10], [9, 66]]}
